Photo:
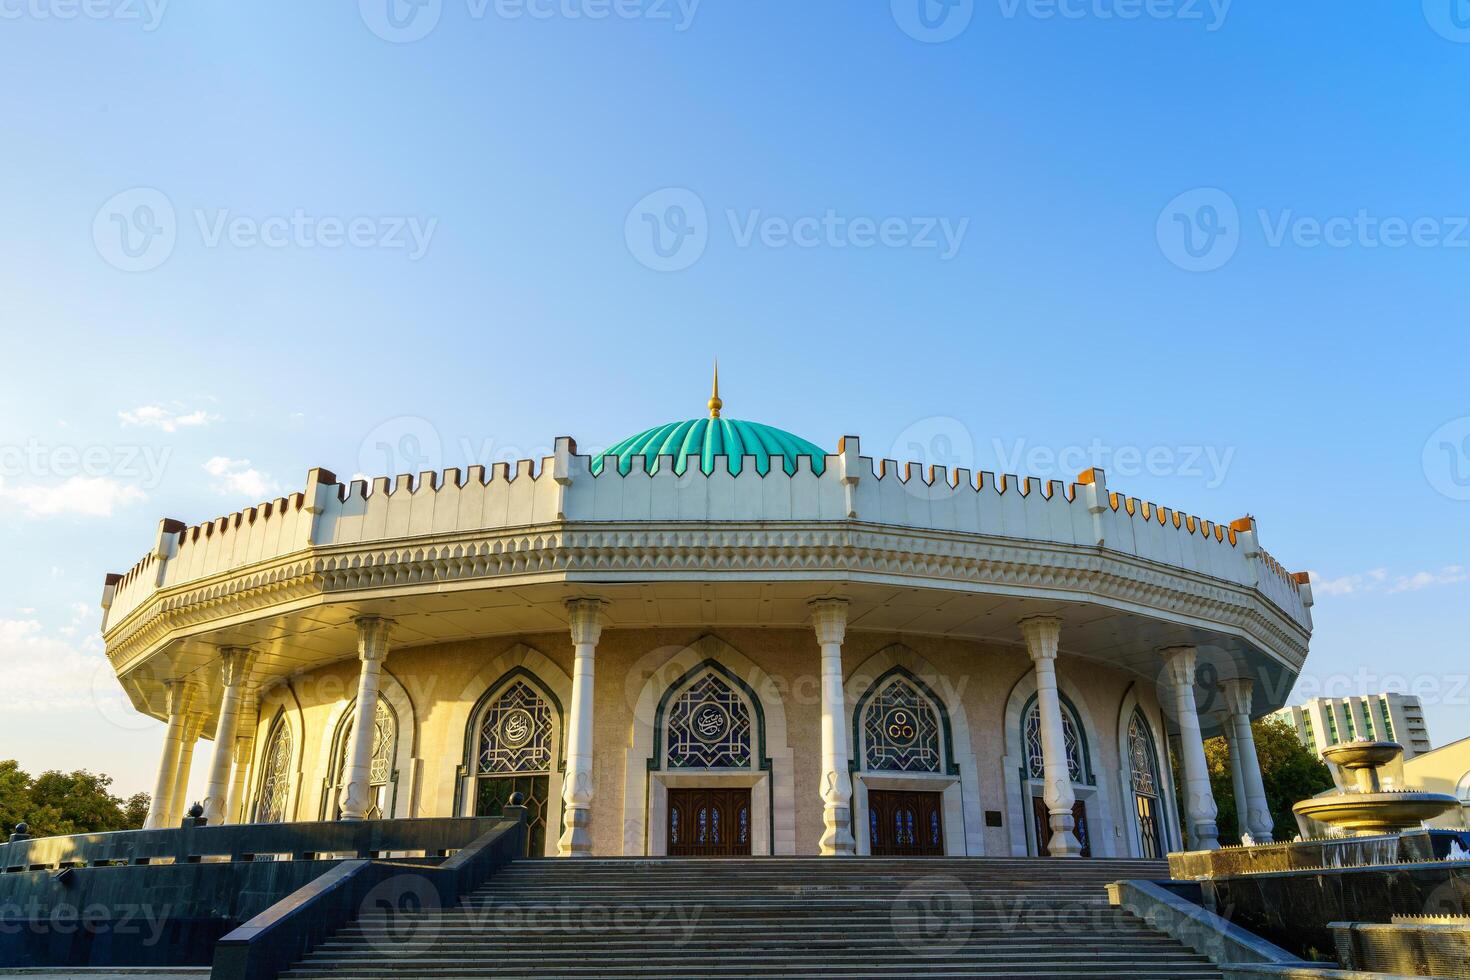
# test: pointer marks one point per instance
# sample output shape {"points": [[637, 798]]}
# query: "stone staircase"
{"points": [[768, 917]]}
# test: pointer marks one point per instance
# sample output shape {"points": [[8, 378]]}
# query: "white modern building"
{"points": [[1324, 722]]}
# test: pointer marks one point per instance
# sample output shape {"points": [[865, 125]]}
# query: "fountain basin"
{"points": [[1376, 813]]}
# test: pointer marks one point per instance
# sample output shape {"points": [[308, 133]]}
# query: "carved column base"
{"points": [[576, 840], [837, 840], [1064, 842]]}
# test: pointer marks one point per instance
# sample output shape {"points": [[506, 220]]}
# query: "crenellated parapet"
{"points": [[562, 493]]}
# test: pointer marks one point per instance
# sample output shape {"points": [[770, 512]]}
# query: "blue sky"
{"points": [[1220, 247]]}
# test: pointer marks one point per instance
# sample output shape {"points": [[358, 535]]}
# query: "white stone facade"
{"points": [[1013, 654]]}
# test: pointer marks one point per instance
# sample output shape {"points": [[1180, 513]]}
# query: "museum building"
{"points": [[717, 638]]}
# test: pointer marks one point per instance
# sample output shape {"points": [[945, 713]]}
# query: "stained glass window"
{"points": [[380, 768], [709, 727], [1035, 759], [901, 730], [1144, 766], [275, 780], [515, 735]]}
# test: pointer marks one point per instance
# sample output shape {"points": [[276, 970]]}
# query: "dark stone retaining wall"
{"points": [[1293, 909], [165, 897]]}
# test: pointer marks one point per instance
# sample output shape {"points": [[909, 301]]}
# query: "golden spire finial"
{"points": [[714, 399]]}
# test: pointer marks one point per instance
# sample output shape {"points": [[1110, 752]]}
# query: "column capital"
{"points": [[234, 665], [829, 619], [1179, 662], [1237, 694], [372, 637], [194, 726], [585, 616], [1042, 634], [181, 693]]}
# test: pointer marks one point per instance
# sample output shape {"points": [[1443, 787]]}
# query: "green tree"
{"points": [[65, 803], [1290, 770]]}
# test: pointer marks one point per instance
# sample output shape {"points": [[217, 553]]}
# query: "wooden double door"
{"points": [[905, 823], [714, 822]]}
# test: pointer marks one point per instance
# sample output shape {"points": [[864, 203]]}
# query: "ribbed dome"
{"points": [[708, 438]]}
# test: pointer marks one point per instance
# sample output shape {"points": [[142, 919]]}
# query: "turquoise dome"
{"points": [[711, 437]]}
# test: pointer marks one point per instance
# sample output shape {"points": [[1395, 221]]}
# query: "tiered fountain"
{"points": [[1361, 806], [1368, 824]]}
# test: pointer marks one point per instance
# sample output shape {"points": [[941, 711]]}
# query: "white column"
{"points": [[193, 728], [1254, 814], [829, 620], [1199, 801], [234, 808], [1237, 778], [585, 617], [372, 647], [180, 699], [1042, 634], [234, 667]]}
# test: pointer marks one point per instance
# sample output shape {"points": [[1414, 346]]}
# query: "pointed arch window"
{"points": [[709, 727], [1143, 775], [901, 730], [275, 780], [515, 733], [1072, 741]]}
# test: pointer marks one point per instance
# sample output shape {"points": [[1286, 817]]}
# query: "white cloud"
{"points": [[167, 419], [81, 496], [1449, 575], [1381, 580], [43, 672], [236, 477]]}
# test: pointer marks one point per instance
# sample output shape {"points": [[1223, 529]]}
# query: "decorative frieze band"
{"points": [[647, 552]]}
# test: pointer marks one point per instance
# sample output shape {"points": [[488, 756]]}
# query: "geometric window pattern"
{"points": [[709, 728], [515, 736], [1036, 760], [275, 784], [380, 766], [901, 730], [1145, 770]]}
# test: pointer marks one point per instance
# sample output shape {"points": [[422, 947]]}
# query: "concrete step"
{"points": [[639, 919]]}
